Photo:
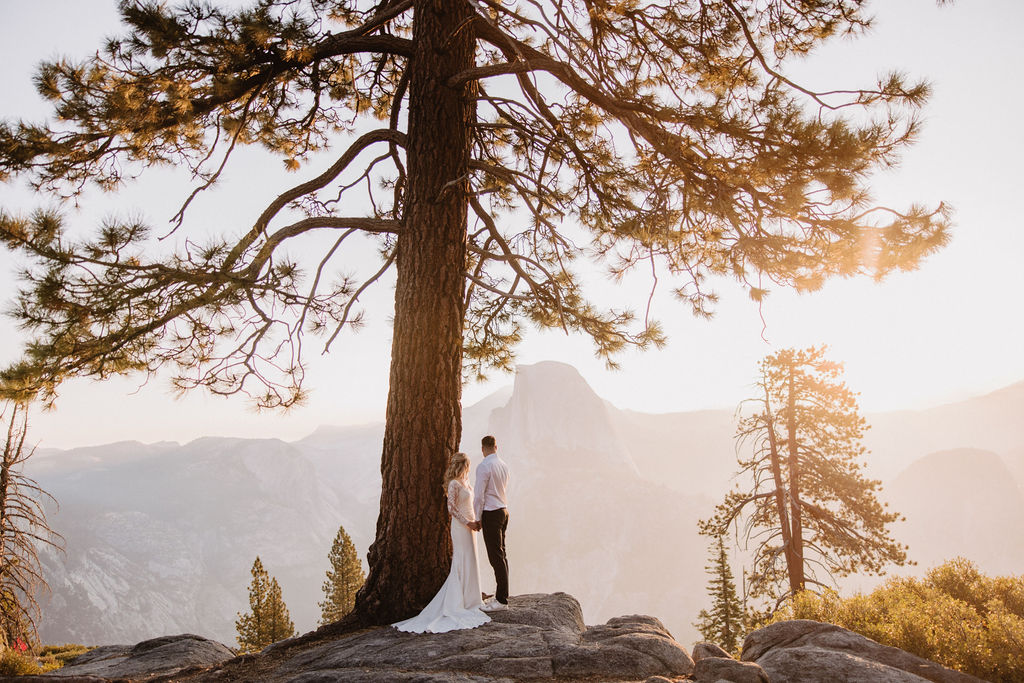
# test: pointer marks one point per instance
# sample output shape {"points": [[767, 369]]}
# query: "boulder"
{"points": [[623, 647], [801, 651], [159, 656], [712, 669], [705, 649]]}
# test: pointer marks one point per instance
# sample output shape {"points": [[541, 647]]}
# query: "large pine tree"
{"points": [[344, 579], [267, 620], [483, 147], [724, 623], [803, 497]]}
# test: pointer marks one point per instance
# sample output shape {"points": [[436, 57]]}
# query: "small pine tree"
{"points": [[344, 579], [724, 623], [268, 621]]}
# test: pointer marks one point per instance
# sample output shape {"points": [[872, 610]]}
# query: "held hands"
{"points": [[475, 526]]}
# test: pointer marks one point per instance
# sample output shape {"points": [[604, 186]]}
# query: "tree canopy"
{"points": [[484, 148], [669, 134]]}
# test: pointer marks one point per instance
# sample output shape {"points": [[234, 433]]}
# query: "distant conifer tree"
{"points": [[723, 625], [813, 513], [344, 579], [268, 620]]}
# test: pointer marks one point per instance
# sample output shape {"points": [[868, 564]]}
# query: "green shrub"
{"points": [[955, 615], [52, 657], [14, 663]]}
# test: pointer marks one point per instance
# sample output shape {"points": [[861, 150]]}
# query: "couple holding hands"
{"points": [[458, 604]]}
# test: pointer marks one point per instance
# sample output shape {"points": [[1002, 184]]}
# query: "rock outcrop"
{"points": [[803, 651], [150, 658], [706, 649], [714, 669], [541, 637], [713, 664]]}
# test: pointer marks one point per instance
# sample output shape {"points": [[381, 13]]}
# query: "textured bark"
{"points": [[412, 552]]}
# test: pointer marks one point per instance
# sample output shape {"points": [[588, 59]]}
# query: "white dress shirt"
{"points": [[491, 485]]}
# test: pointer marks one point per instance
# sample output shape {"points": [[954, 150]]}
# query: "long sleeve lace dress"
{"points": [[458, 604]]}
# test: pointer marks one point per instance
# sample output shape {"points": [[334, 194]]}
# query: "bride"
{"points": [[457, 605]]}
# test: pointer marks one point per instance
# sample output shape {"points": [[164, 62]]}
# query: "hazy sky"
{"points": [[949, 330]]}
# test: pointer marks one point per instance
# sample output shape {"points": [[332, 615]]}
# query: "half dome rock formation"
{"points": [[554, 412]]}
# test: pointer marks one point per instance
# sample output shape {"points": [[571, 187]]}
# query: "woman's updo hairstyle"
{"points": [[458, 468]]}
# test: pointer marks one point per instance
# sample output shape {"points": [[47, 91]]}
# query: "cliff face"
{"points": [[162, 542]]}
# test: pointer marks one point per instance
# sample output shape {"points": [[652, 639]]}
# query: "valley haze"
{"points": [[604, 506]]}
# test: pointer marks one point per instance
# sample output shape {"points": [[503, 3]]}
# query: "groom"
{"points": [[492, 510]]}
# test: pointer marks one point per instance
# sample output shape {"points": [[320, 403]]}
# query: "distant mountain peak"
{"points": [[550, 366], [958, 463], [550, 384], [554, 411]]}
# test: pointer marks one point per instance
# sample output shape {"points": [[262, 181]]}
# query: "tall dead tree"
{"points": [[23, 531]]}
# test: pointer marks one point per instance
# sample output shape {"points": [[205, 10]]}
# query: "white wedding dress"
{"points": [[457, 605]]}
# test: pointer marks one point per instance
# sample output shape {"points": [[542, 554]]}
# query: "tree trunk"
{"points": [[11, 451], [788, 547], [411, 555], [796, 572]]}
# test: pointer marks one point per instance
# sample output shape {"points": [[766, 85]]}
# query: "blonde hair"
{"points": [[458, 467]]}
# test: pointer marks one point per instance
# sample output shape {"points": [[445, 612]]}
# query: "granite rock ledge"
{"points": [[541, 637]]}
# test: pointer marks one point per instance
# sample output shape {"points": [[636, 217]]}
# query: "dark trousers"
{"points": [[495, 522]]}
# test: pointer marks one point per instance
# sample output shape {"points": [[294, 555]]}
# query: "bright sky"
{"points": [[950, 330]]}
